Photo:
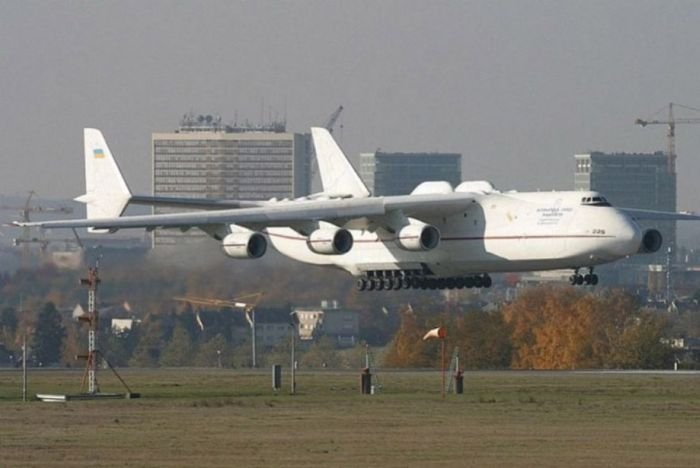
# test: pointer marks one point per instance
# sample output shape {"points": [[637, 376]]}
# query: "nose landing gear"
{"points": [[589, 279]]}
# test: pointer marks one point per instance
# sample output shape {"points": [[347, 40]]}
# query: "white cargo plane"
{"points": [[436, 237]]}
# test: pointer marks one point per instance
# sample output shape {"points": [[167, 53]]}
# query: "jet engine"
{"points": [[651, 241], [418, 237], [330, 241], [247, 244]]}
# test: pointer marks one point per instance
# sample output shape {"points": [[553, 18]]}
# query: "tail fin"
{"points": [[337, 174], [106, 192]]}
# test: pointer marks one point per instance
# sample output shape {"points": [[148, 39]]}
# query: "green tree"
{"points": [[148, 350], [640, 344], [179, 350], [49, 333], [484, 340], [214, 352], [321, 354]]}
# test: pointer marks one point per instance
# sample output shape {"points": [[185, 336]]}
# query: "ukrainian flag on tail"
{"points": [[99, 154]]}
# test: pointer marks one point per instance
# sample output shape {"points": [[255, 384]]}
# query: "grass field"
{"points": [[195, 417]]}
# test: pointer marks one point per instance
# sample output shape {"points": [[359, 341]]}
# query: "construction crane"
{"points": [[328, 126], [671, 131], [333, 118], [26, 239], [247, 306]]}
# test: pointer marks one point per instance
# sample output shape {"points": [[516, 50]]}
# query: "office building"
{"points": [[633, 180], [399, 173], [340, 324], [205, 159]]}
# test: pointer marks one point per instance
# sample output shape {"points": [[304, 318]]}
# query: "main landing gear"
{"points": [[393, 281], [588, 279]]}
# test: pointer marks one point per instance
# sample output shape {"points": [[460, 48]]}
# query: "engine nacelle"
{"points": [[651, 241], [248, 244], [330, 241], [418, 237]]}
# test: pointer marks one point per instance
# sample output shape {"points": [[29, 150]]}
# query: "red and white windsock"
{"points": [[436, 333]]}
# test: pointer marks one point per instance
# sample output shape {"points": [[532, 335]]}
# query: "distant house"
{"points": [[340, 324]]}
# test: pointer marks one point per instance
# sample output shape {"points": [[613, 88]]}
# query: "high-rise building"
{"points": [[400, 173], [633, 180], [204, 159]]}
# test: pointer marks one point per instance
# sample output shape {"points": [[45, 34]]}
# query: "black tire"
{"points": [[478, 282], [487, 281], [469, 282], [361, 284], [594, 279]]}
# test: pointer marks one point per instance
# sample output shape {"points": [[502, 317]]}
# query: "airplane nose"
{"points": [[627, 237]]}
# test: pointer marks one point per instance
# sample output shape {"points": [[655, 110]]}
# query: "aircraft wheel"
{"points": [[459, 283], [361, 284], [388, 284], [379, 284], [432, 283], [397, 283], [594, 279], [415, 282], [450, 283], [478, 282], [587, 279], [441, 283], [579, 280], [406, 283], [487, 281], [469, 282], [371, 284], [423, 283]]}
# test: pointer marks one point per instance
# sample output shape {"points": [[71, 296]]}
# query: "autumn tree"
{"points": [[407, 348]]}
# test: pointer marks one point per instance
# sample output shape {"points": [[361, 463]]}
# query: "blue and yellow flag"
{"points": [[99, 154]]}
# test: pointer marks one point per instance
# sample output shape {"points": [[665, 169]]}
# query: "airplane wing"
{"points": [[283, 213], [198, 203], [651, 215]]}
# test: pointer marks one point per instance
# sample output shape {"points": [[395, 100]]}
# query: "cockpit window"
{"points": [[595, 201]]}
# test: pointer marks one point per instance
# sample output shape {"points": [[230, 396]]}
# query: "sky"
{"points": [[517, 87]]}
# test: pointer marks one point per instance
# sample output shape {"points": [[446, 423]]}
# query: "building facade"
{"points": [[209, 160], [340, 324], [633, 180], [400, 173]]}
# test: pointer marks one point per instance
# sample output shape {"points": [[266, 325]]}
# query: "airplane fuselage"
{"points": [[498, 232]]}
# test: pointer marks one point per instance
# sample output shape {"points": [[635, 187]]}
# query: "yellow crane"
{"points": [[247, 303], [671, 123]]}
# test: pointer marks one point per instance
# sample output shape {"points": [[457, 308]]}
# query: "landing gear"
{"points": [[397, 280], [589, 279]]}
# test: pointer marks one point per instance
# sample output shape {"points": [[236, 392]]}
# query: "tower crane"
{"points": [[333, 118], [328, 126], [248, 306], [671, 122]]}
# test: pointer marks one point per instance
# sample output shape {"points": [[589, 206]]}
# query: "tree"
{"points": [[8, 326], [214, 353], [321, 354], [407, 348], [49, 333], [483, 339], [641, 346], [178, 351]]}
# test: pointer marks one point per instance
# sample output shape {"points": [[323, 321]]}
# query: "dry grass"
{"points": [[197, 417]]}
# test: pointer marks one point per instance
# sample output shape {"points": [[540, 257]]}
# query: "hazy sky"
{"points": [[517, 87]]}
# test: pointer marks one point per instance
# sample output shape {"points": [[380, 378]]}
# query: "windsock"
{"points": [[439, 332], [199, 321]]}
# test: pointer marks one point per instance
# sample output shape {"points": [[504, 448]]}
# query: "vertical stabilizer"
{"points": [[106, 192], [338, 176]]}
